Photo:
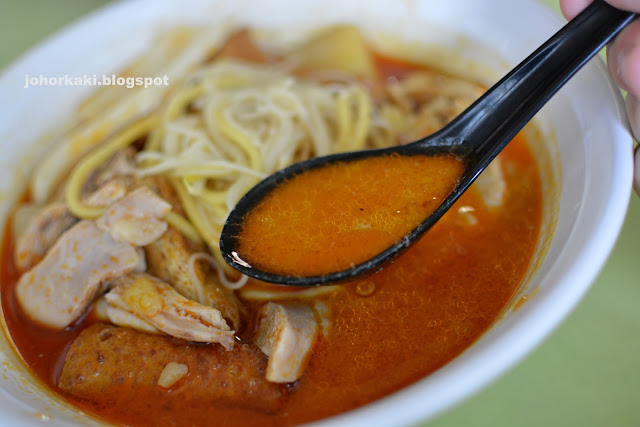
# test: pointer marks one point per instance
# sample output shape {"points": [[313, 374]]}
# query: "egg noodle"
{"points": [[228, 127]]}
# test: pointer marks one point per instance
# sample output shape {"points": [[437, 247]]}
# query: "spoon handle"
{"points": [[495, 118]]}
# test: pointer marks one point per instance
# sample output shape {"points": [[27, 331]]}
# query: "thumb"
{"points": [[633, 112], [636, 171]]}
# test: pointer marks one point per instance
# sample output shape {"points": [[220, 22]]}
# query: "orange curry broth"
{"points": [[420, 312], [334, 217]]}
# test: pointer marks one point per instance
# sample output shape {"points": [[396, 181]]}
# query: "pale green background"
{"points": [[586, 374]]}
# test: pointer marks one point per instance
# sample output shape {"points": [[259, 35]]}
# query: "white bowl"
{"points": [[586, 205]]}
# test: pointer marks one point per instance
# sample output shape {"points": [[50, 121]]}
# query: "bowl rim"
{"points": [[452, 380]]}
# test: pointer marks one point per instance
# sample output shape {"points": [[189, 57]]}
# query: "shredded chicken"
{"points": [[157, 303], [425, 101], [41, 232], [169, 259], [23, 216], [109, 313], [111, 181], [136, 218], [88, 256], [77, 268], [107, 194], [286, 333], [121, 165]]}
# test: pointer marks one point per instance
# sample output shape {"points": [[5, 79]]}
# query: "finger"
{"points": [[623, 59], [570, 8], [632, 105], [636, 172], [632, 5]]}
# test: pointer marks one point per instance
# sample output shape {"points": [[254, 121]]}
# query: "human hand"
{"points": [[623, 59]]}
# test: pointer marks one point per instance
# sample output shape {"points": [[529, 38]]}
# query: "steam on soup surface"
{"points": [[113, 289]]}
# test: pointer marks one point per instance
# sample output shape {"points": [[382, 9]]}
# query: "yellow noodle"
{"points": [[363, 120], [213, 170], [92, 161], [262, 295], [241, 139], [183, 226], [209, 196], [249, 122], [177, 105], [343, 112], [232, 81], [199, 222], [203, 256]]}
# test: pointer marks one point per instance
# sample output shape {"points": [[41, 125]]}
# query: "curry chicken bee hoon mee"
{"points": [[113, 287]]}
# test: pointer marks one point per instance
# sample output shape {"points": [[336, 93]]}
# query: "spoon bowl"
{"points": [[475, 137]]}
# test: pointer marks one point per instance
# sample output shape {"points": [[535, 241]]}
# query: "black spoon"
{"points": [[477, 135]]}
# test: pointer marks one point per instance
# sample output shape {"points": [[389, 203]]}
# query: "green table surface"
{"points": [[586, 374]]}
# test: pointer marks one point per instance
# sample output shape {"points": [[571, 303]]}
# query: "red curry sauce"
{"points": [[331, 218], [387, 331], [424, 310]]}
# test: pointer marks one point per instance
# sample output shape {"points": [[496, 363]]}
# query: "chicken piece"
{"points": [[286, 333], [423, 87], [491, 184], [114, 365], [425, 101], [157, 303], [107, 194], [136, 218], [111, 180], [169, 258], [40, 233], [111, 314], [23, 216], [77, 268], [120, 165]]}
